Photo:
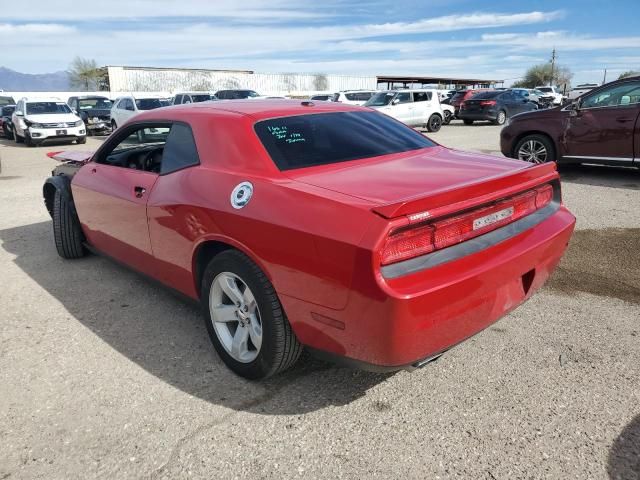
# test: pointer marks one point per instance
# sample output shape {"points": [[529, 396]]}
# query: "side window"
{"points": [[421, 96], [129, 105], [120, 104], [186, 99], [178, 100], [620, 95], [138, 149], [180, 150], [403, 97]]}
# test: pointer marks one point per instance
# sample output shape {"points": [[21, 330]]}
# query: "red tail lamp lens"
{"points": [[488, 103], [412, 242], [407, 244]]}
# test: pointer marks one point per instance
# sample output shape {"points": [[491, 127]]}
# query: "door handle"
{"points": [[139, 191]]}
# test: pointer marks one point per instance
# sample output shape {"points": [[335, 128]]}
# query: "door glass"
{"points": [[141, 149], [617, 95], [421, 96], [403, 97]]}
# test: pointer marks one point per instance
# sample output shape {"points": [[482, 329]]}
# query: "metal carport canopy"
{"points": [[390, 80]]}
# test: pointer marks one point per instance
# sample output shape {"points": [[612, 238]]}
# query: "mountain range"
{"points": [[12, 81]]}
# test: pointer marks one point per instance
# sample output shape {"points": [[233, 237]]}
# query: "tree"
{"points": [[541, 75], [629, 73], [320, 82], [84, 73]]}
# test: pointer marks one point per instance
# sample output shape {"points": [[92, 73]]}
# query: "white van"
{"points": [[414, 107]]}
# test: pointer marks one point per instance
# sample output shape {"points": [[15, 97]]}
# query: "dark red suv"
{"points": [[601, 126]]}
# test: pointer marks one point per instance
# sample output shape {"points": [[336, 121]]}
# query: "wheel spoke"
{"points": [[224, 313], [239, 343], [248, 299], [255, 332], [230, 288]]}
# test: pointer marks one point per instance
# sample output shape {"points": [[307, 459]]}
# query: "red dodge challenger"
{"points": [[314, 225]]}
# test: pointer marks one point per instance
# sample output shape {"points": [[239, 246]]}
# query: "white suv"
{"points": [[414, 107], [552, 92], [38, 120], [129, 106], [353, 97]]}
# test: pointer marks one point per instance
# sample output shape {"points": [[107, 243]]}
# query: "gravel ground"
{"points": [[106, 375]]}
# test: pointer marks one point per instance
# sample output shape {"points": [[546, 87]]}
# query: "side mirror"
{"points": [[75, 111], [19, 113], [395, 101], [574, 109]]}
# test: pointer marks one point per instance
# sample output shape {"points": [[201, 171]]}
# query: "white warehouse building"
{"points": [[145, 79]]}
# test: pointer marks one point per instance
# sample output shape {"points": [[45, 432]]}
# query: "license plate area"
{"points": [[61, 132], [482, 222]]}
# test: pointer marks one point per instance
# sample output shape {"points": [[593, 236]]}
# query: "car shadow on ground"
{"points": [[601, 176], [624, 455], [165, 334]]}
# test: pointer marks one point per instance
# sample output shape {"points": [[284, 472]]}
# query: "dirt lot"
{"points": [[106, 375]]}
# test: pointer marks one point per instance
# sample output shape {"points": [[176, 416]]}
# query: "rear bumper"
{"points": [[420, 315], [488, 115]]}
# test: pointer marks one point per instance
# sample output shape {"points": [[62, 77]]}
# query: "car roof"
{"points": [[43, 99], [193, 93], [259, 109]]}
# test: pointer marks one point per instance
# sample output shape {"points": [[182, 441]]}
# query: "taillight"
{"points": [[409, 242], [488, 103]]}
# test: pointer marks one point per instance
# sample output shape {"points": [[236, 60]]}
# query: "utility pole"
{"points": [[553, 64], [604, 80]]}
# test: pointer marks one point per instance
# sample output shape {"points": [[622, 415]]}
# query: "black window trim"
{"points": [[122, 133]]}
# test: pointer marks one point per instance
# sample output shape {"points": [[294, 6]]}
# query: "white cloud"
{"points": [[35, 29]]}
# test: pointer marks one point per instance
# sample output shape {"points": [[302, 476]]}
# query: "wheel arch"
{"points": [[209, 247], [60, 183], [517, 139]]}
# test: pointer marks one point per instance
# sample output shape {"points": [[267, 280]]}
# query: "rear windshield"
{"points": [[483, 95], [325, 138], [458, 95], [7, 101], [201, 97]]}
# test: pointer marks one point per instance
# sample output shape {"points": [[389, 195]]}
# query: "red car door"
{"points": [[112, 206], [603, 126]]}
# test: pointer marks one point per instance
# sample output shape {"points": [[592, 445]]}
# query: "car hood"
{"points": [[411, 175], [53, 118]]}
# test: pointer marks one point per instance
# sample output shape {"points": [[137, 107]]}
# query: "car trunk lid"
{"points": [[431, 181]]}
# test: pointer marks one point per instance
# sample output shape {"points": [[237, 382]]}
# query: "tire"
{"points": [[279, 348], [7, 133], [66, 228], [81, 140], [448, 116], [28, 141], [501, 118], [467, 121], [434, 123], [533, 143]]}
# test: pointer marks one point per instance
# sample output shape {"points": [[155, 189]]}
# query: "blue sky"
{"points": [[492, 39]]}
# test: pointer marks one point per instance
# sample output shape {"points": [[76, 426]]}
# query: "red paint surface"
{"points": [[317, 232]]}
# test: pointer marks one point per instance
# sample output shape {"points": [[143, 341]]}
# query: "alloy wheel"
{"points": [[533, 151], [236, 317], [502, 117]]}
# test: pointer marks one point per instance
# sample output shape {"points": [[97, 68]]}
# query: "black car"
{"points": [[6, 127], [495, 105], [95, 112], [235, 94]]}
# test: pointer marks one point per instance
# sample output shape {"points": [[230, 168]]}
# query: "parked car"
{"points": [[191, 97], [6, 127], [581, 89], [292, 246], [496, 106], [39, 120], [322, 97], [462, 95], [553, 92], [598, 127], [413, 107], [353, 97], [6, 100], [95, 112], [126, 107], [237, 94], [531, 94]]}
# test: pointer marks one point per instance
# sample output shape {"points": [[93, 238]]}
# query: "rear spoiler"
{"points": [[459, 198], [75, 156]]}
